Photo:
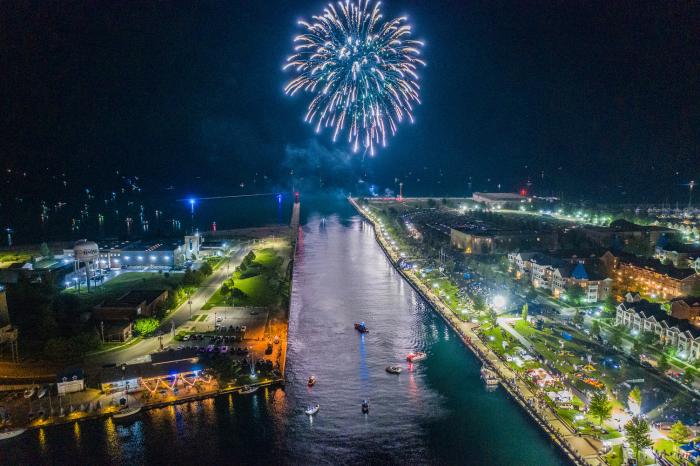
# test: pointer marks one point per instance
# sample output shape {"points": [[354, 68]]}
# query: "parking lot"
{"points": [[254, 319]]}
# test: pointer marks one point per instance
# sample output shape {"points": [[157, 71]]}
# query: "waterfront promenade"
{"points": [[581, 450]]}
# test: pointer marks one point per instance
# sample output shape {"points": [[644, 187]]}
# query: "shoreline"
{"points": [[483, 353], [107, 412]]}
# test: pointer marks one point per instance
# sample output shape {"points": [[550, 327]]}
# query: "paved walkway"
{"points": [[581, 450]]}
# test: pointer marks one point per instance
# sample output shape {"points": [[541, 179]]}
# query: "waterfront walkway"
{"points": [[581, 450]]}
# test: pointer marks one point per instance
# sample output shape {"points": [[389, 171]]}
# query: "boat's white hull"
{"points": [[312, 411], [125, 413], [12, 433]]}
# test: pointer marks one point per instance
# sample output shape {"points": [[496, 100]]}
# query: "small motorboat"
{"points": [[28, 393], [247, 390], [8, 433], [361, 327], [312, 409], [417, 356], [42, 393], [489, 376], [365, 406], [393, 369], [312, 381], [127, 411]]}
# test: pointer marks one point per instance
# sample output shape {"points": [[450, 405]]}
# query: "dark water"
{"points": [[436, 412]]}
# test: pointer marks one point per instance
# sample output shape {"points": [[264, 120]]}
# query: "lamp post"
{"points": [[691, 185]]}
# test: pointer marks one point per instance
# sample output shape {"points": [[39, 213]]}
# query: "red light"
{"points": [[523, 192]]}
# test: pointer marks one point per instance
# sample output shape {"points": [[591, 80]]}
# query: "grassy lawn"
{"points": [[123, 283], [614, 458], [195, 317], [259, 282]]}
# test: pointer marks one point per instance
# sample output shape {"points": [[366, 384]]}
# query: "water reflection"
{"points": [[436, 412]]}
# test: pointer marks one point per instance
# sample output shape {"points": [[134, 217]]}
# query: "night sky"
{"points": [[588, 99]]}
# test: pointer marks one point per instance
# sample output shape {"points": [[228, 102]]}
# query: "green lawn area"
{"points": [[614, 458], [123, 283], [195, 317], [260, 285]]}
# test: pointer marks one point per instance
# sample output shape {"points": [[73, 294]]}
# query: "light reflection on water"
{"points": [[437, 411]]}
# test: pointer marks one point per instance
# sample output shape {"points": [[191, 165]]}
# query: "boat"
{"points": [[247, 389], [393, 369], [312, 381], [365, 406], [28, 393], [361, 327], [126, 411], [489, 376], [312, 409], [7, 434], [44, 390], [417, 356]]}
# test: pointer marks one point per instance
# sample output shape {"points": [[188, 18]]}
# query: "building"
{"points": [[498, 200], [650, 276], [560, 275], [170, 371], [474, 240], [130, 306], [646, 317], [681, 255], [621, 233], [70, 381], [160, 254], [116, 331], [687, 308]]}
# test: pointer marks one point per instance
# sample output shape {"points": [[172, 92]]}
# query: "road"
{"points": [[139, 351]]}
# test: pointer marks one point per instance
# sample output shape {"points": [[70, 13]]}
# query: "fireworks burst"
{"points": [[361, 70]]}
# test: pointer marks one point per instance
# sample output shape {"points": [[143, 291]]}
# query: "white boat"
{"points": [[393, 369], [6, 434], [311, 410], [44, 390], [127, 411], [489, 376], [247, 389], [28, 393], [417, 356]]}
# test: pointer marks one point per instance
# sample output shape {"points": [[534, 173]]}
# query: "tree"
{"points": [[523, 314], [637, 347], [45, 251], [206, 269], [637, 431], [679, 432], [600, 408], [634, 400], [146, 326], [575, 294], [663, 365], [578, 318], [616, 336], [688, 377], [595, 328], [479, 303]]}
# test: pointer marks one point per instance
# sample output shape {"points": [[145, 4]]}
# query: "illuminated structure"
{"points": [[645, 317], [560, 275], [651, 277]]}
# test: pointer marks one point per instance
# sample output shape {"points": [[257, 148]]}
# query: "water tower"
{"points": [[86, 252]]}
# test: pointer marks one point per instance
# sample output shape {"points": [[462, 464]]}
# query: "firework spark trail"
{"points": [[361, 70]]}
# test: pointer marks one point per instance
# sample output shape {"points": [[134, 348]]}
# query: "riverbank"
{"points": [[578, 449]]}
